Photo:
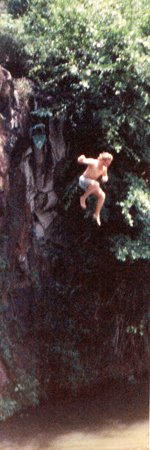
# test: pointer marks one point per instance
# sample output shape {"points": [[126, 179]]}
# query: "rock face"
{"points": [[3, 378], [38, 165], [30, 151], [6, 117], [38, 160]]}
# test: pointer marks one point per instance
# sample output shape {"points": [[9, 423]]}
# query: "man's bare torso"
{"points": [[94, 171]]}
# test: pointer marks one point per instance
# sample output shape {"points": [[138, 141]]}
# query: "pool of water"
{"points": [[114, 419]]}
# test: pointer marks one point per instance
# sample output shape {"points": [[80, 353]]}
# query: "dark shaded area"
{"points": [[113, 405]]}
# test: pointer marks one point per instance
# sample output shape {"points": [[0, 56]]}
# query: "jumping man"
{"points": [[96, 168]]}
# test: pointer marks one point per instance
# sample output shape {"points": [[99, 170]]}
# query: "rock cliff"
{"points": [[31, 149]]}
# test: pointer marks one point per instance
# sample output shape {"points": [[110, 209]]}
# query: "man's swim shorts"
{"points": [[84, 182]]}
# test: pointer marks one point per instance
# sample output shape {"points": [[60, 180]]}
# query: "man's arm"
{"points": [[83, 160], [105, 175]]}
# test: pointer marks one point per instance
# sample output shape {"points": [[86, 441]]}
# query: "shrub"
{"points": [[17, 7]]}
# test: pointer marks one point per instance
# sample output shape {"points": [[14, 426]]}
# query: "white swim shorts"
{"points": [[84, 182]]}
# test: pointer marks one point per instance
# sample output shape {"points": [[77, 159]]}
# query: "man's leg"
{"points": [[93, 186], [100, 201]]}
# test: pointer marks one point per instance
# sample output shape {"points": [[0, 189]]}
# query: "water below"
{"points": [[114, 419]]}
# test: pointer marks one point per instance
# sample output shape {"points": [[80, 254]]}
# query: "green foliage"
{"points": [[38, 135], [36, 279], [24, 89], [22, 390], [70, 191], [12, 52], [3, 264], [22, 387], [132, 329], [17, 7], [71, 367], [7, 407], [26, 389], [93, 59], [127, 248], [136, 212], [24, 394]]}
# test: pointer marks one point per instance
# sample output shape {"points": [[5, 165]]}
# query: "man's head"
{"points": [[106, 158]]}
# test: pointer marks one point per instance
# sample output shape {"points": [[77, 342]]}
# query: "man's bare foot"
{"points": [[82, 203], [97, 218]]}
